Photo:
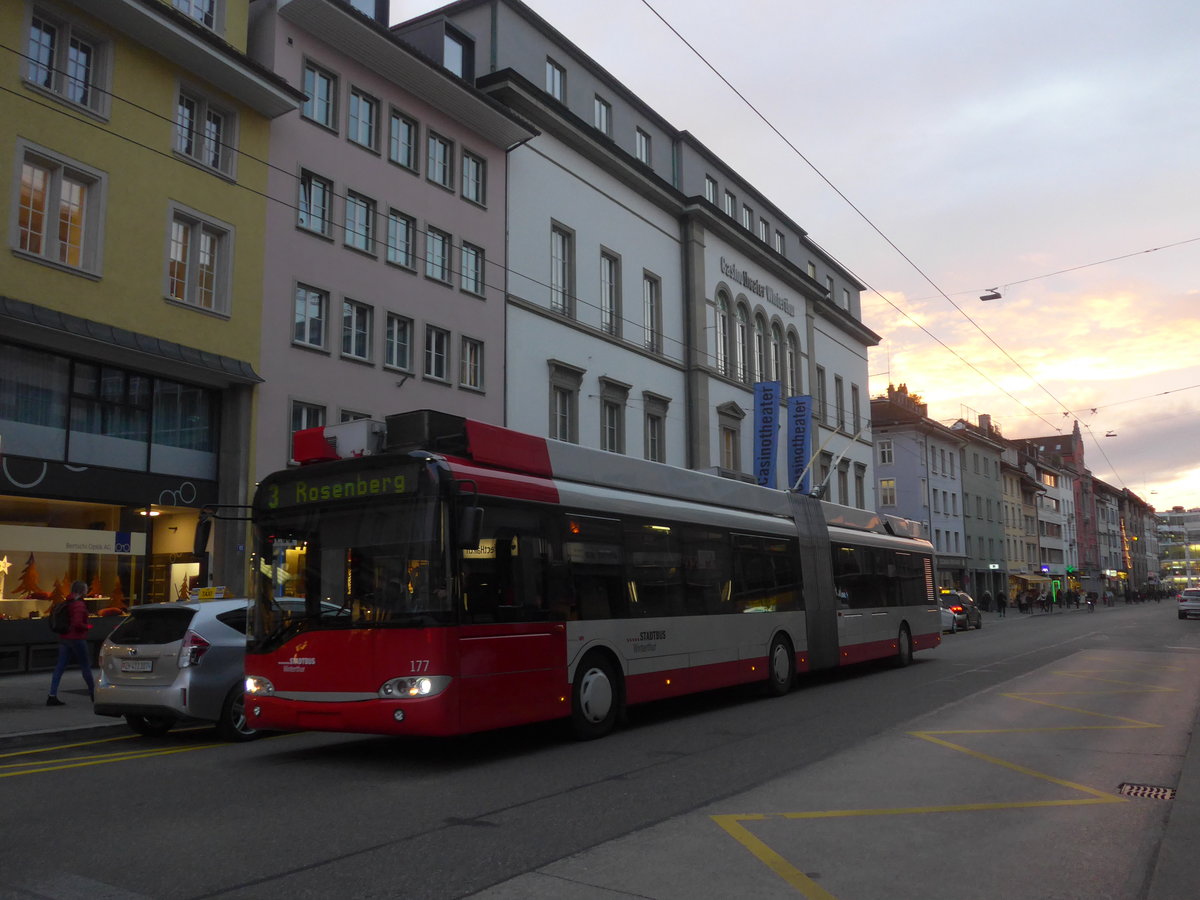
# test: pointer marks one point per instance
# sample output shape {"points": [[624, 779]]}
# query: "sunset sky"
{"points": [[993, 144]]}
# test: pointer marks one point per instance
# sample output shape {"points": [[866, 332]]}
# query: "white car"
{"points": [[1189, 603]]}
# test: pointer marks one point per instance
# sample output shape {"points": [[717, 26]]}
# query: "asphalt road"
{"points": [[989, 768]]}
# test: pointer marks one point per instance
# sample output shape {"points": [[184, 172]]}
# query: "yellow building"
{"points": [[133, 140]]}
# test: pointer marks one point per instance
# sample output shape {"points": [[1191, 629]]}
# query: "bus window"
{"points": [[504, 578], [655, 569], [766, 577], [706, 570], [859, 577], [595, 561]]}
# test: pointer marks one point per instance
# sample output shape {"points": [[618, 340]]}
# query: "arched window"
{"points": [[760, 349], [742, 338], [776, 353], [721, 333], [793, 367]]}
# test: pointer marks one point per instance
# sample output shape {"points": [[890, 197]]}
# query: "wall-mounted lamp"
{"points": [[993, 294], [149, 512]]}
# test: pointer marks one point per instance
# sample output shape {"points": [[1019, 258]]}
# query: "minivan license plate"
{"points": [[137, 665]]}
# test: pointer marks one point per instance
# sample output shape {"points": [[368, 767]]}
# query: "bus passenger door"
{"points": [[512, 654]]}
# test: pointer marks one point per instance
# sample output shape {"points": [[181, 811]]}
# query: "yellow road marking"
{"points": [[732, 824], [36, 767]]}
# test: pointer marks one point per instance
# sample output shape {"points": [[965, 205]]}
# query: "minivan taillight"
{"points": [[194, 647]]}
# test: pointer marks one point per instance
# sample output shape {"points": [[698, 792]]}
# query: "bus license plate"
{"points": [[137, 665]]}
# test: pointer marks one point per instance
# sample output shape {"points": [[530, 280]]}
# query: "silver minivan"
{"points": [[170, 663]]}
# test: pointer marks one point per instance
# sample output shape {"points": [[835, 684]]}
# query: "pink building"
{"points": [[385, 263]]}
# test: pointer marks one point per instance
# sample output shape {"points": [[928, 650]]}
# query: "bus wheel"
{"points": [[595, 697], [781, 666], [903, 647]]}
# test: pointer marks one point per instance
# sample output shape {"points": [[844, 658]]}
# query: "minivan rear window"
{"points": [[153, 626]]}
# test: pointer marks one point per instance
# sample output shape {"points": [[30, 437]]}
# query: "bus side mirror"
{"points": [[470, 527]]}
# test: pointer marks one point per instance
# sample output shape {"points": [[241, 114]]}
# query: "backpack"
{"points": [[60, 617]]}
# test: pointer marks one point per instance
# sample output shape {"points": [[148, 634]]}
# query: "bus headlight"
{"points": [[413, 686], [256, 684]]}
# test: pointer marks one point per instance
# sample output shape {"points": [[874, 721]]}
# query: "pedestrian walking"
{"points": [[1001, 604], [72, 643], [986, 601]]}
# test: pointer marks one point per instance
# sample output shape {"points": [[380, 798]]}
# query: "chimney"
{"points": [[985, 423]]}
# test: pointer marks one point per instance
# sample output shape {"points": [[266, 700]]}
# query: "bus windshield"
{"points": [[352, 564]]}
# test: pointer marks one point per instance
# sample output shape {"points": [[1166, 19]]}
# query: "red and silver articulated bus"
{"points": [[468, 577]]}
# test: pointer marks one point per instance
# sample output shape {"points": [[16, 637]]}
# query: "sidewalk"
{"points": [[24, 715]]}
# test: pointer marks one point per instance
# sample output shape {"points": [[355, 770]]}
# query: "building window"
{"points": [[364, 119], [829, 286], [642, 145], [776, 373], [741, 344], [360, 222], [437, 255], [764, 230], [472, 269], [845, 299], [730, 204], [779, 245], [614, 397], [730, 453], [856, 423], [603, 116], [204, 132], [710, 189], [721, 334], [315, 208], [860, 486], [843, 481], [454, 54], [812, 269], [198, 266], [729, 425], [401, 239], [565, 381], [839, 400], [887, 492], [886, 457], [60, 212], [356, 330], [747, 218], [556, 81], [610, 294], [474, 181], [822, 398], [402, 140], [202, 11], [439, 164], [655, 426], [311, 311], [471, 364], [64, 59], [397, 342], [793, 366], [350, 415], [320, 91], [760, 348], [437, 353], [652, 313], [562, 270]]}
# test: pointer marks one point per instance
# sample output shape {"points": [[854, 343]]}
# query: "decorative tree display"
{"points": [[28, 585], [57, 595], [117, 598], [95, 590]]}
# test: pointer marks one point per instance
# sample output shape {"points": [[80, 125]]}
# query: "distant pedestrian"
{"points": [[986, 601], [72, 644], [1001, 603]]}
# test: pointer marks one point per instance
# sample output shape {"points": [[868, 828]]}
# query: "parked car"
{"points": [[971, 608], [1189, 603], [170, 663], [949, 616]]}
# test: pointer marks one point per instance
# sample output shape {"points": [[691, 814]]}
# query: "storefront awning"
{"points": [[1034, 579]]}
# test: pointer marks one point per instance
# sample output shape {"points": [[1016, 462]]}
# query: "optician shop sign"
{"points": [[742, 277], [38, 539]]}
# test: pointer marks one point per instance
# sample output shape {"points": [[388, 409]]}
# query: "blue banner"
{"points": [[766, 431], [800, 414]]}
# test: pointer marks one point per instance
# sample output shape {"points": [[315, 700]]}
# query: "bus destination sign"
{"points": [[333, 488]]}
